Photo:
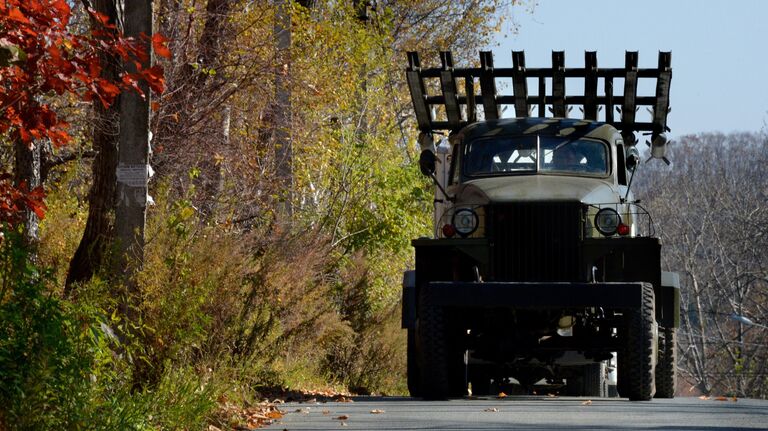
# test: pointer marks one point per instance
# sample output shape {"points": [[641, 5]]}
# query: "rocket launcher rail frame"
{"points": [[453, 102]]}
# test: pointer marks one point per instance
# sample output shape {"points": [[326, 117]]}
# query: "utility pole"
{"points": [[133, 152], [281, 109]]}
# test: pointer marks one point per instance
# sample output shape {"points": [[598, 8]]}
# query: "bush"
{"points": [[62, 367], [44, 361]]}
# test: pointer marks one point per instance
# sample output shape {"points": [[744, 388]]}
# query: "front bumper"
{"points": [[518, 295]]}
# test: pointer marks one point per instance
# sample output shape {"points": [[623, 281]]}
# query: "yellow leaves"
{"points": [[501, 395], [587, 403]]}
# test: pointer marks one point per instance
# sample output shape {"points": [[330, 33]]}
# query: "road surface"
{"points": [[525, 413]]}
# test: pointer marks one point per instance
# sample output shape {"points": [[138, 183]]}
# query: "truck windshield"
{"points": [[511, 155]]}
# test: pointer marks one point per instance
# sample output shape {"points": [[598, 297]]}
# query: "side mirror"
{"points": [[658, 146], [633, 158], [427, 161]]}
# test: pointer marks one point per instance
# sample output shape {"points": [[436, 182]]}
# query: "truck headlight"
{"points": [[607, 221], [465, 220]]}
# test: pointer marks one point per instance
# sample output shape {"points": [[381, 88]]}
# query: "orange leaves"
{"points": [[16, 15], [159, 45], [719, 398]]}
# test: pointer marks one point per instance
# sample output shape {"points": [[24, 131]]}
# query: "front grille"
{"points": [[536, 241]]}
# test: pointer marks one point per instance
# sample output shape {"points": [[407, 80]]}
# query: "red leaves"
{"points": [[13, 201], [107, 89], [101, 19], [155, 78], [56, 60], [16, 15], [159, 45], [47, 57]]}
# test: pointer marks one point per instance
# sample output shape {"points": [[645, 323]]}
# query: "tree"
{"points": [[93, 253], [710, 208], [41, 59]]}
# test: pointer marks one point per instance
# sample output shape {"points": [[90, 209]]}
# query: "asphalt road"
{"points": [[525, 413]]}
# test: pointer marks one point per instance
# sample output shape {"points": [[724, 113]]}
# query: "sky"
{"points": [[719, 51]]}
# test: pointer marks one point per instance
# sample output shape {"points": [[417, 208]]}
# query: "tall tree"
{"points": [[94, 248], [41, 58]]}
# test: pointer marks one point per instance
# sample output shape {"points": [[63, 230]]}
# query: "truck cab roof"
{"points": [[557, 127]]}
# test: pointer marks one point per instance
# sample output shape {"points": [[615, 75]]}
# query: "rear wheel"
{"points": [[666, 370], [590, 381], [637, 359]]}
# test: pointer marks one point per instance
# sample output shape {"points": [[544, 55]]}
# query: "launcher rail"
{"points": [[461, 109]]}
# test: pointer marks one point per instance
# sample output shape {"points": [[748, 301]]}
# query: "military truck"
{"points": [[542, 265]]}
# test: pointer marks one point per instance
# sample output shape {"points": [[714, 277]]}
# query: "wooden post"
{"points": [[281, 110], [133, 151]]}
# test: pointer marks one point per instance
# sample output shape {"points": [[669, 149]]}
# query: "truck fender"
{"points": [[409, 299], [670, 299]]}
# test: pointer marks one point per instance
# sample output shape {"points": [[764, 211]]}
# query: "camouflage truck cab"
{"points": [[542, 264]]}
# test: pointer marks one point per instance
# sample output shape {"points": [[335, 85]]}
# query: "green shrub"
{"points": [[44, 366]]}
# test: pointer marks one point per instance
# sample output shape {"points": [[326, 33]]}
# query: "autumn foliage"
{"points": [[41, 57]]}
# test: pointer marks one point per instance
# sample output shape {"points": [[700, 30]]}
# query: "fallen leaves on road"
{"points": [[502, 395], [376, 412], [587, 403], [256, 416], [720, 398], [552, 396], [342, 418], [491, 409]]}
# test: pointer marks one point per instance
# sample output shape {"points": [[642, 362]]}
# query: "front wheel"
{"points": [[441, 360], [637, 359]]}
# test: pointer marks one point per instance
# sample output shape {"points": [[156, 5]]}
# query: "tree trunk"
{"points": [[27, 171], [93, 252]]}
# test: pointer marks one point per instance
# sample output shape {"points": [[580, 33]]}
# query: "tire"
{"points": [[414, 375], [637, 360], [437, 353], [595, 381], [666, 369], [590, 381]]}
